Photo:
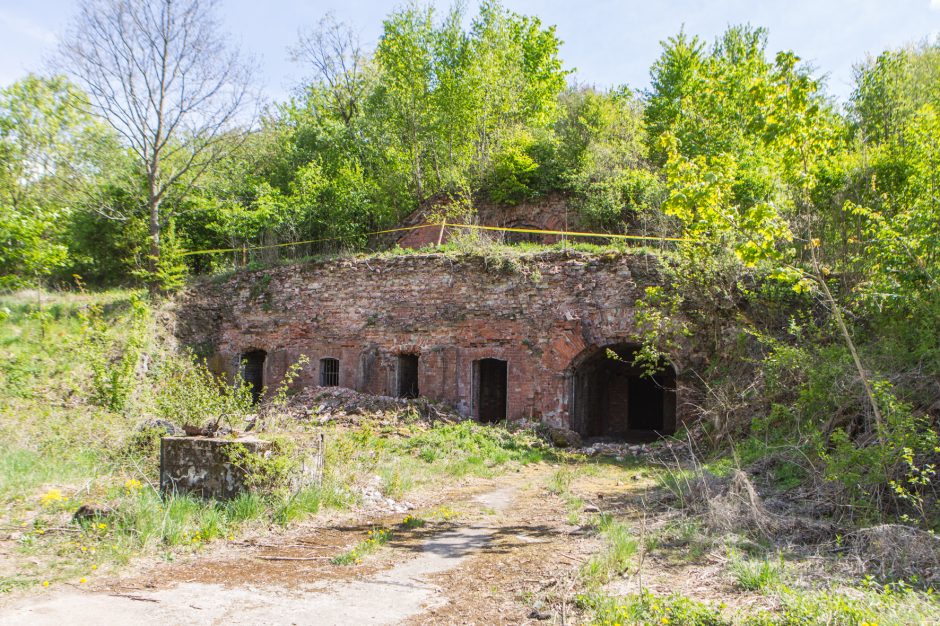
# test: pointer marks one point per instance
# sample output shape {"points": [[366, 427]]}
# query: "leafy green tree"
{"points": [[891, 88], [602, 157], [51, 152]]}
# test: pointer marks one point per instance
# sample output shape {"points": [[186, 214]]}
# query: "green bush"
{"points": [[114, 362], [187, 392]]}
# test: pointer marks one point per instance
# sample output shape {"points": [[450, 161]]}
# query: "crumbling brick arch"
{"points": [[515, 237], [610, 397]]}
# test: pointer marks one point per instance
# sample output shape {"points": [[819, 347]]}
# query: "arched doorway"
{"points": [[612, 398], [252, 370]]}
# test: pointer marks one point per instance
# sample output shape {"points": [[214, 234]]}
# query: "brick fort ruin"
{"points": [[524, 336]]}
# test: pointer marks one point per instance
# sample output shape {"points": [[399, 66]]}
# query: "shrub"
{"points": [[188, 392]]}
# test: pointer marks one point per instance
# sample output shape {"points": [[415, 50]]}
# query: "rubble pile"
{"points": [[664, 449], [372, 498], [340, 405]]}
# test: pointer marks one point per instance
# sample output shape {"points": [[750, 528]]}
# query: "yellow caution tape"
{"points": [[300, 243], [564, 233], [561, 233]]}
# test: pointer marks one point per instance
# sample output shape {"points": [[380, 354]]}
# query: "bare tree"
{"points": [[332, 49], [162, 74]]}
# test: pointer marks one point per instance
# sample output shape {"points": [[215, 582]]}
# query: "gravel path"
{"points": [[389, 596]]}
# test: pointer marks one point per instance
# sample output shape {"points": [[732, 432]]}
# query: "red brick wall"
{"points": [[548, 213], [450, 310]]}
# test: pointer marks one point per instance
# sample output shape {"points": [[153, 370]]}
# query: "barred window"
{"points": [[329, 372]]}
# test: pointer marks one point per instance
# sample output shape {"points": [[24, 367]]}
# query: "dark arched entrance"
{"points": [[613, 399], [253, 372]]}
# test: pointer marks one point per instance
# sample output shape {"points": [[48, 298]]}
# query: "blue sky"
{"points": [[609, 42]]}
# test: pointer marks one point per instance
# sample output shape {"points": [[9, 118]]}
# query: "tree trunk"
{"points": [[153, 261]]}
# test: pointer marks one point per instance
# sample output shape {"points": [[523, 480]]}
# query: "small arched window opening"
{"points": [[252, 370], [329, 372]]}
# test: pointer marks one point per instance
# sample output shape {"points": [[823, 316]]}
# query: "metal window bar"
{"points": [[329, 372]]}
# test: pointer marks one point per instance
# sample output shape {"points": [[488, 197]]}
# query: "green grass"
{"points": [[755, 575], [848, 607], [411, 455], [648, 608], [309, 501], [854, 607], [499, 256], [559, 483], [617, 555], [378, 537], [411, 522], [684, 540], [396, 479], [23, 471]]}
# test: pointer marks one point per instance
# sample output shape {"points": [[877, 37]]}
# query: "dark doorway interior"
{"points": [[253, 372], [515, 237], [407, 375], [613, 399], [329, 372], [490, 378]]}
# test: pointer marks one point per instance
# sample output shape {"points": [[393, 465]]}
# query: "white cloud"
{"points": [[30, 29]]}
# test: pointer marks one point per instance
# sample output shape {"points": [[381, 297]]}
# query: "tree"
{"points": [[47, 143], [163, 76], [890, 88], [51, 153], [334, 53]]}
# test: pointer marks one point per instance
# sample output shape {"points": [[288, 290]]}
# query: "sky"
{"points": [[607, 42]]}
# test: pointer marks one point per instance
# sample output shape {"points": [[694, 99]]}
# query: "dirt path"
{"points": [[467, 572]]}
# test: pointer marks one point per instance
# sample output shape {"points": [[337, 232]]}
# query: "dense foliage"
{"points": [[812, 260]]}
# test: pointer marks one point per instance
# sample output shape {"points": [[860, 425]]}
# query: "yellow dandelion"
{"points": [[664, 620], [81, 580], [132, 484], [45, 583], [84, 549], [102, 526], [51, 496], [94, 567]]}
